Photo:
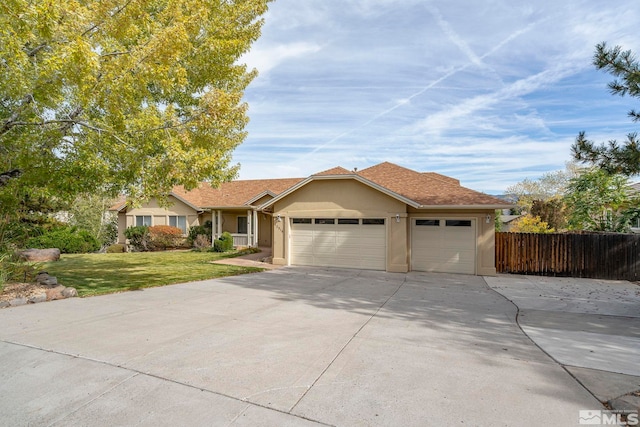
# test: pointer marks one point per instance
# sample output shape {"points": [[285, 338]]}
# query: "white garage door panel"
{"points": [[339, 245], [442, 248]]}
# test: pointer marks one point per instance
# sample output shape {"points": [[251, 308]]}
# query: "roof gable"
{"points": [[119, 204], [338, 170], [339, 176]]}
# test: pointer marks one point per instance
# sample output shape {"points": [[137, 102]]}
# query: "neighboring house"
{"points": [[508, 220], [385, 217]]}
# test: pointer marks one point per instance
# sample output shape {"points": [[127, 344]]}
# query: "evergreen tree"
{"points": [[614, 157]]}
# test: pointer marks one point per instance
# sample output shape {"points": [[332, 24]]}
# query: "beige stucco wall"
{"points": [[342, 198], [265, 229], [230, 221], [485, 233], [122, 225], [160, 215]]}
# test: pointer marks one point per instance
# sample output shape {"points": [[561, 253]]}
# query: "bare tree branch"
{"points": [[10, 122]]}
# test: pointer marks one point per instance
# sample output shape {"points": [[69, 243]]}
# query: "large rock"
{"points": [[41, 255], [44, 279], [55, 293], [37, 298], [69, 293], [18, 301]]}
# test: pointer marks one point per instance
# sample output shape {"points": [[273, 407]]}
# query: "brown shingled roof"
{"points": [[118, 204], [338, 170], [425, 189], [442, 177], [234, 193]]}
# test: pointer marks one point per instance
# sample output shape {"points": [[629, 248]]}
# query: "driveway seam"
{"points": [[346, 344], [148, 374], [517, 319]]}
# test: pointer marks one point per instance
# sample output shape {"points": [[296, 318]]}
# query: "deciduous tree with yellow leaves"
{"points": [[127, 96]]}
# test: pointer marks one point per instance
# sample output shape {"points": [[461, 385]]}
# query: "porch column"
{"points": [[255, 228], [213, 226], [219, 224], [249, 224]]}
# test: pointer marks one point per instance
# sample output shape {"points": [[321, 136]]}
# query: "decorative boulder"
{"points": [[37, 298], [55, 293], [44, 279], [69, 293], [41, 255]]}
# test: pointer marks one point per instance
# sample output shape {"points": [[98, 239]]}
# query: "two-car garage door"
{"points": [[339, 242], [443, 245]]}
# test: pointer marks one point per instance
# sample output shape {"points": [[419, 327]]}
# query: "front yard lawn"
{"points": [[96, 274]]}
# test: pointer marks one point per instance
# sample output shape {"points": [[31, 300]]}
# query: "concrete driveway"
{"points": [[591, 327], [295, 346]]}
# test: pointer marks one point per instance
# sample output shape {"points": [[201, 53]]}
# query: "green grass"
{"points": [[97, 274]]}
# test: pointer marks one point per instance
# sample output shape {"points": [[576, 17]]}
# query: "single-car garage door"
{"points": [[339, 242], [443, 245]]}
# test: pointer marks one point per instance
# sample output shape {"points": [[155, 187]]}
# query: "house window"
{"points": [[428, 222], [350, 221], [458, 223], [373, 221], [143, 220], [179, 222], [242, 225], [325, 221], [301, 220]]}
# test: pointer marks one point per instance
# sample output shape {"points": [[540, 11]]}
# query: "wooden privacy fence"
{"points": [[594, 255]]}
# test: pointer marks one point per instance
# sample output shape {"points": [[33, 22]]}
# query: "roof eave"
{"points": [[218, 208], [260, 196], [118, 209], [186, 202], [466, 207]]}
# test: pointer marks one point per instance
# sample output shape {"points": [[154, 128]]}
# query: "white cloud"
{"points": [[267, 58], [488, 92]]}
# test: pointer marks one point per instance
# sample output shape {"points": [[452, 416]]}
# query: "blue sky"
{"points": [[489, 92]]}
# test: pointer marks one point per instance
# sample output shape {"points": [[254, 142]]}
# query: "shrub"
{"points": [[139, 238], [201, 242], [109, 232], [17, 232], [15, 269], [165, 236], [224, 243], [531, 224], [206, 230], [115, 249], [68, 239]]}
